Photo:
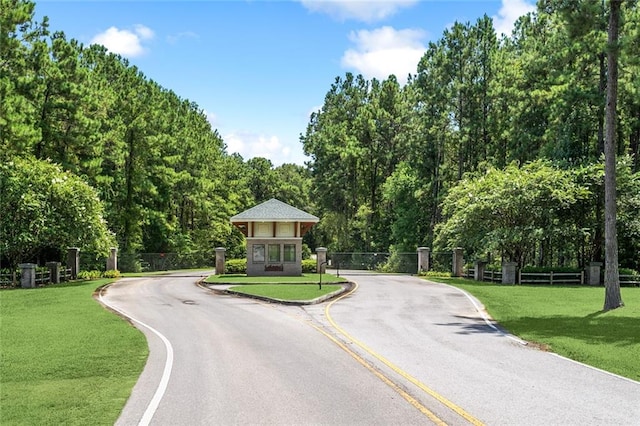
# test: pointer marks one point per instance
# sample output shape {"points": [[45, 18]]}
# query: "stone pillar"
{"points": [[478, 270], [457, 266], [423, 259], [220, 260], [593, 273], [27, 275], [54, 270], [509, 272], [73, 261], [321, 260], [112, 260]]}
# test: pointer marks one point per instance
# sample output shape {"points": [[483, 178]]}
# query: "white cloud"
{"points": [[509, 13], [124, 42], [361, 10], [212, 118], [385, 51], [175, 38], [250, 145]]}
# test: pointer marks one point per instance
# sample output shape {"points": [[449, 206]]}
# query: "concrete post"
{"points": [[54, 270], [593, 273], [112, 260], [73, 261], [509, 272], [220, 260], [27, 275], [423, 259], [457, 266], [478, 270], [321, 260]]}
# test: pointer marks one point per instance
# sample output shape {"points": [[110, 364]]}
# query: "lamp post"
{"points": [[320, 283]]}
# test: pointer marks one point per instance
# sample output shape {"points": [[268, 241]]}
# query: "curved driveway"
{"points": [[399, 350]]}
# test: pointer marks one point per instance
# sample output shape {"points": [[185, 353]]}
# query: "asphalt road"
{"points": [[399, 350]]}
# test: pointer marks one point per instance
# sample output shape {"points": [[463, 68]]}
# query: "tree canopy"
{"points": [[50, 208], [518, 118]]}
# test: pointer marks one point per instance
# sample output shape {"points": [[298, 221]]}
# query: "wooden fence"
{"points": [[551, 278], [492, 276], [630, 280], [43, 277]]}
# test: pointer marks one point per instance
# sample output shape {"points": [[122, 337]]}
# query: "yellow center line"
{"points": [[424, 410], [471, 419]]}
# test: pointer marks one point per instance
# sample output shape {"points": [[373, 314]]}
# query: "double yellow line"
{"points": [[458, 410]]}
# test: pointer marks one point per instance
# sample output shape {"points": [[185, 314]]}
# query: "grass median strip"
{"points": [[286, 291], [302, 279], [64, 358], [568, 320]]}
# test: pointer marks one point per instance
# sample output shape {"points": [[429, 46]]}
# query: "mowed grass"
{"points": [[303, 279], [64, 359], [287, 291], [567, 320]]}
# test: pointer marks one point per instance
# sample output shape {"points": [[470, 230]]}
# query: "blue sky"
{"points": [[258, 68]]}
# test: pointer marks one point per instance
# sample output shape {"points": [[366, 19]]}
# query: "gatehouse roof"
{"points": [[274, 211]]}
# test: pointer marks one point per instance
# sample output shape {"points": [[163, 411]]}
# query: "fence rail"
{"points": [[551, 278], [43, 277], [492, 276], [630, 280]]}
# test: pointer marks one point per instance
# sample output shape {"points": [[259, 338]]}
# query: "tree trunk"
{"points": [[613, 298]]}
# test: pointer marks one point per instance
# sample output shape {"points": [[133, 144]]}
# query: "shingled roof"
{"points": [[274, 211]]}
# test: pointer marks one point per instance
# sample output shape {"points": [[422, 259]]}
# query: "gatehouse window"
{"points": [[289, 252]]}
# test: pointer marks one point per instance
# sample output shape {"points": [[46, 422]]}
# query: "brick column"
{"points": [[112, 260], [423, 259], [458, 262], [54, 269], [73, 261], [321, 260], [509, 272], [478, 270], [27, 275], [220, 260], [593, 273]]}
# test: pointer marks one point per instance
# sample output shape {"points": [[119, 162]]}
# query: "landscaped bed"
{"points": [[302, 279], [299, 289]]}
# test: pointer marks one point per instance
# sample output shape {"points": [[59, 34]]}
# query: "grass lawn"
{"points": [[287, 291], [64, 359], [569, 320], [243, 279]]}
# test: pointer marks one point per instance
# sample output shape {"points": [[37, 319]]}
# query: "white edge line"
{"points": [[486, 320], [608, 373], [484, 316], [168, 366]]}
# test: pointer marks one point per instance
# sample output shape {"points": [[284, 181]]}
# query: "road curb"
{"points": [[224, 290]]}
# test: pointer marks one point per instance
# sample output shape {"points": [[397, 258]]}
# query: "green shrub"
{"points": [[236, 266], [309, 266], [440, 274], [89, 275], [306, 252], [626, 271], [114, 273]]}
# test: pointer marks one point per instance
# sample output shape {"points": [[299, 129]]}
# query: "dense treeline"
{"points": [[161, 171], [385, 156], [389, 162]]}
